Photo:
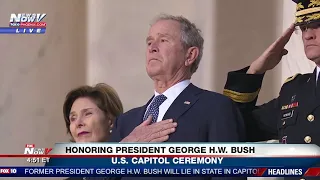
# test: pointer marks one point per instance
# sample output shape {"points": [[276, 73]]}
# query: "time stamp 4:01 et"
{"points": [[35, 160]]}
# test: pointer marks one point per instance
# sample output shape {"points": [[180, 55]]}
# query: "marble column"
{"points": [[36, 73]]}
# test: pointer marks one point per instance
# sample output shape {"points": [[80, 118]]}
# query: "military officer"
{"points": [[294, 116]]}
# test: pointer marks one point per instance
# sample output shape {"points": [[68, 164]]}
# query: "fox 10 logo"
{"points": [[31, 149], [25, 23]]}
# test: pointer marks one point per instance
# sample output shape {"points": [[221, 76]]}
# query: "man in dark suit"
{"points": [[292, 117], [174, 51]]}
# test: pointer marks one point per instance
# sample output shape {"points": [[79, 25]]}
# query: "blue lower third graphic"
{"points": [[10, 30], [149, 171]]}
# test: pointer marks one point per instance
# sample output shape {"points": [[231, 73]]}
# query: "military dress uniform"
{"points": [[294, 116]]}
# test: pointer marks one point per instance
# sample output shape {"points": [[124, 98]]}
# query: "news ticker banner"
{"points": [[166, 159], [186, 154], [156, 172]]}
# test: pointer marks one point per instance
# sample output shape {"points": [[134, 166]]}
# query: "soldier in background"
{"points": [[294, 116]]}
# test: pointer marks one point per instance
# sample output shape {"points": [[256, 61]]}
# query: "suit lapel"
{"points": [[183, 102]]}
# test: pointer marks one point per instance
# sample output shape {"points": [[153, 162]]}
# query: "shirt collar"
{"points": [[318, 70], [173, 92]]}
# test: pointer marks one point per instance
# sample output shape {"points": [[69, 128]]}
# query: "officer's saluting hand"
{"points": [[272, 55]]}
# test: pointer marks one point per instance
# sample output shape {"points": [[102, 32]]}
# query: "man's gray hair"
{"points": [[190, 36]]}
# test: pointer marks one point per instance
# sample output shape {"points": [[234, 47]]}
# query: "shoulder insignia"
{"points": [[291, 78]]}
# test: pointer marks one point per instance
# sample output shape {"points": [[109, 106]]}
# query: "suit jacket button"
{"points": [[310, 117], [307, 139]]}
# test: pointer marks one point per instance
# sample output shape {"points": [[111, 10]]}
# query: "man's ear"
{"points": [[191, 55]]}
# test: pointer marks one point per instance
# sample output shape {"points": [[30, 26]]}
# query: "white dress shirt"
{"points": [[172, 93], [318, 70]]}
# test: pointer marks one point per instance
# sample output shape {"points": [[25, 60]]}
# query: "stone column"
{"points": [[36, 73]]}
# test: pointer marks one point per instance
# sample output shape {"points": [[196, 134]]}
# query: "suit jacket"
{"points": [[209, 117], [291, 118]]}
